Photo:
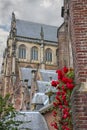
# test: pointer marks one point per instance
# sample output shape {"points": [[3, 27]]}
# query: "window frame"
{"points": [[48, 54], [34, 53], [22, 52]]}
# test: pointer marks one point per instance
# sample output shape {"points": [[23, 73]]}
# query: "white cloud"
{"points": [[3, 39], [46, 3], [31, 10]]}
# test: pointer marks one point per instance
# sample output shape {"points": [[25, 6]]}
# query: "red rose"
{"points": [[55, 104], [70, 86], [58, 93], [66, 103], [54, 113], [65, 113], [67, 128], [63, 127], [54, 125], [65, 80], [60, 77], [65, 69], [60, 74], [70, 80], [63, 87], [63, 97], [57, 98], [65, 110], [65, 116], [61, 106], [63, 92], [54, 83]]}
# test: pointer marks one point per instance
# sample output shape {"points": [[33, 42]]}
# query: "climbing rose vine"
{"points": [[62, 104]]}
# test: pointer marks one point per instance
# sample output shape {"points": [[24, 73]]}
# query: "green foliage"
{"points": [[70, 74], [7, 114]]}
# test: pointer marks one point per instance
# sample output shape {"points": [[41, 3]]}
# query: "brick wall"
{"points": [[78, 24], [79, 109], [48, 117], [78, 17]]}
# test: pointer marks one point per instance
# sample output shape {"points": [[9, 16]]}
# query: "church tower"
{"points": [[64, 39]]}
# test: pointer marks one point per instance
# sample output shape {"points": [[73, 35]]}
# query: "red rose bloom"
{"points": [[65, 80], [60, 74], [54, 83], [57, 98], [63, 93], [70, 86], [58, 93], [55, 104], [63, 87], [60, 77], [54, 125], [65, 113], [65, 69], [67, 128], [54, 113], [65, 116], [70, 80], [61, 106], [63, 97], [66, 103]]}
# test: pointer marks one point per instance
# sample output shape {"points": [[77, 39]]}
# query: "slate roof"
{"points": [[46, 74], [40, 98], [44, 87], [37, 121], [26, 75], [32, 30]]}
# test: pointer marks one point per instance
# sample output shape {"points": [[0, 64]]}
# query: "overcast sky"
{"points": [[41, 11]]}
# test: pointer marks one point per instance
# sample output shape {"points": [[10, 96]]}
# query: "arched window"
{"points": [[22, 51], [48, 55], [34, 53]]}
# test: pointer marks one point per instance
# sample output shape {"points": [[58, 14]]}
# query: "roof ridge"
{"points": [[36, 23]]}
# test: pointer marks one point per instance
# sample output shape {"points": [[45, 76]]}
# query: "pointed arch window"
{"points": [[22, 52], [48, 55], [34, 53]]}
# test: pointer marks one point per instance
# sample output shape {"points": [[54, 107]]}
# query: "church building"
{"points": [[31, 49]]}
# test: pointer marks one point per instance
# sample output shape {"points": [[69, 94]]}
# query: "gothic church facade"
{"points": [[29, 45]]}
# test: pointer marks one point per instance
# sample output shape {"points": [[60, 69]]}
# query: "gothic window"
{"points": [[34, 53], [22, 51], [48, 55]]}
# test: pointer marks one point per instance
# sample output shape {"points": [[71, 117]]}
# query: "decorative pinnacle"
{"points": [[13, 16], [42, 33]]}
